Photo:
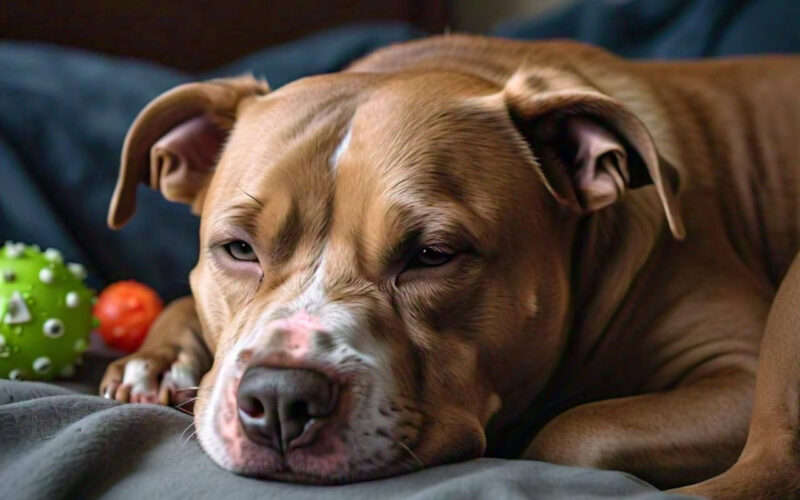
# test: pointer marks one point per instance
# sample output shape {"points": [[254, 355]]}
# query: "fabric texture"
{"points": [[58, 444]]}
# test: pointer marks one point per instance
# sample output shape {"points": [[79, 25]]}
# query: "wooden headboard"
{"points": [[198, 34]]}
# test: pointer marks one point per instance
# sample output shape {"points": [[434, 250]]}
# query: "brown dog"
{"points": [[461, 242]]}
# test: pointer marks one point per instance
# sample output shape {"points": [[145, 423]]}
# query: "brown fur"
{"points": [[593, 331]]}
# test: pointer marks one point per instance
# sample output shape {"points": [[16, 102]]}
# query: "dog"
{"points": [[463, 246]]}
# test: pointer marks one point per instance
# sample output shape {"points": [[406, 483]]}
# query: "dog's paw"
{"points": [[159, 378]]}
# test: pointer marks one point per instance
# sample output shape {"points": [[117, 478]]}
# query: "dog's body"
{"points": [[554, 302]]}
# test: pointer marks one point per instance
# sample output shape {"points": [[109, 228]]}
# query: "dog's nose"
{"points": [[277, 406]]}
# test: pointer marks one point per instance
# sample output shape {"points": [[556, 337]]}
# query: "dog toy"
{"points": [[126, 311], [45, 313]]}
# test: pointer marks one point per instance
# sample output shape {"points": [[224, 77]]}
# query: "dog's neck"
{"points": [[613, 251]]}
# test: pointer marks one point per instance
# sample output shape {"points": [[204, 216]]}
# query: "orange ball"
{"points": [[126, 310]]}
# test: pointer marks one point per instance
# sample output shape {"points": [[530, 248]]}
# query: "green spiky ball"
{"points": [[45, 313]]}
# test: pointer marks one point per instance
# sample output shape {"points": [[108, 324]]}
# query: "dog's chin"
{"points": [[300, 466], [330, 462], [327, 461], [372, 442]]}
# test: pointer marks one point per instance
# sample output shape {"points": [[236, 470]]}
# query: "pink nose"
{"points": [[296, 332]]}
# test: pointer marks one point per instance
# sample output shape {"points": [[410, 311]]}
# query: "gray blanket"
{"points": [[56, 443]]}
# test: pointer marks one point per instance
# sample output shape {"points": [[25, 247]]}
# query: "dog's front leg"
{"points": [[769, 466], [168, 366], [669, 438]]}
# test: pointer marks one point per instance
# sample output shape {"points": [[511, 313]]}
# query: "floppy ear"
{"points": [[174, 143], [591, 148]]}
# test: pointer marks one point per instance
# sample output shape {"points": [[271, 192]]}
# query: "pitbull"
{"points": [[463, 246]]}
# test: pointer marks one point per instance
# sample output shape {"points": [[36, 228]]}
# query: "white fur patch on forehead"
{"points": [[341, 148], [313, 296]]}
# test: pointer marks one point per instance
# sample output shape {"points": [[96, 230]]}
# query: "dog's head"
{"points": [[384, 260]]}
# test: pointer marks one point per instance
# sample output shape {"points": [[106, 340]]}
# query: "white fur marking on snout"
{"points": [[341, 148], [374, 429]]}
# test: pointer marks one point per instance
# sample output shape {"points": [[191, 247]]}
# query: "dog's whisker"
{"points": [[186, 429], [260, 203], [183, 410], [413, 455], [187, 389], [195, 388], [193, 434], [190, 400]]}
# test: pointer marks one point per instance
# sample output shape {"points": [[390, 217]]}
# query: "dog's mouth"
{"points": [[365, 435]]}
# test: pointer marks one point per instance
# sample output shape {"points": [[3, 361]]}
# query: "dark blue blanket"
{"points": [[64, 113], [670, 29]]}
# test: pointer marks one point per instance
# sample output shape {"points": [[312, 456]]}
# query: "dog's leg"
{"points": [[669, 438], [168, 366], [769, 466]]}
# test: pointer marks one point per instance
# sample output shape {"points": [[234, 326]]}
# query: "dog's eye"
{"points": [[241, 250], [430, 257]]}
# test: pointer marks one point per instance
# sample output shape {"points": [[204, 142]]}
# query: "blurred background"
{"points": [[74, 74], [197, 35], [201, 34]]}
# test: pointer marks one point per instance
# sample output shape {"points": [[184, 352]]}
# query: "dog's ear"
{"points": [[174, 143], [591, 149]]}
